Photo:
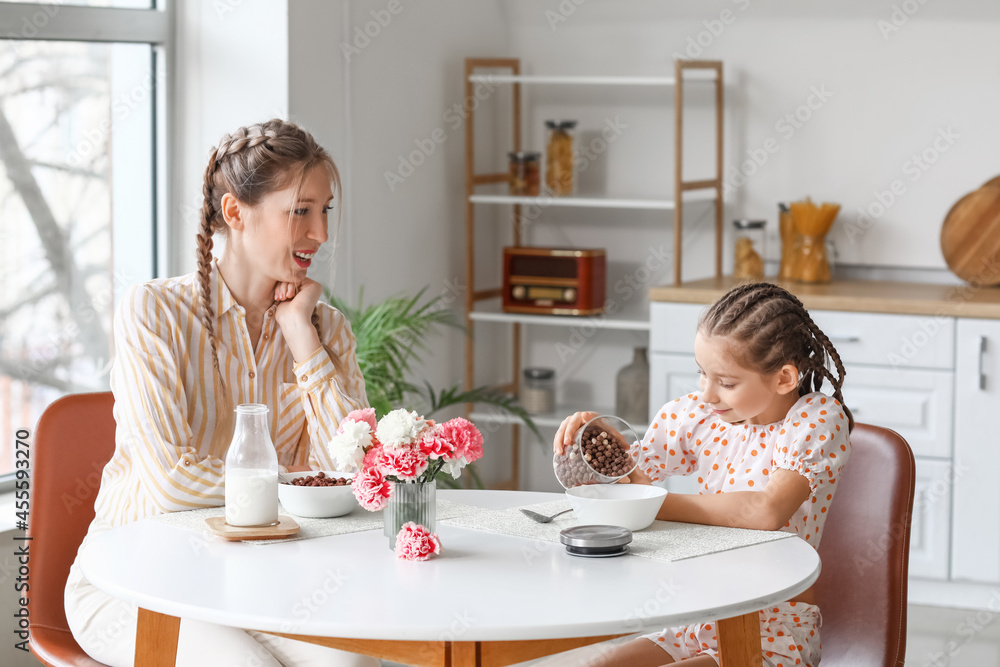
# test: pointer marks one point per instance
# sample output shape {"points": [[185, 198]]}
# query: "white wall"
{"points": [[891, 96], [231, 70], [371, 98]]}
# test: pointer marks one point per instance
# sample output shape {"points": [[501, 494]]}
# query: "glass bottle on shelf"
{"points": [[524, 174], [251, 470], [748, 260], [786, 229], [559, 157], [538, 391]]}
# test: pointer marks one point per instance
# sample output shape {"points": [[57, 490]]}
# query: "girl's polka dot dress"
{"points": [[686, 438]]}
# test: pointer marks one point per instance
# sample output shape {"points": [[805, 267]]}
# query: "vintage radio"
{"points": [[554, 281]]}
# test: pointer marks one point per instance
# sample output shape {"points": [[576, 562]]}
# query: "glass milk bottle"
{"points": [[251, 470]]}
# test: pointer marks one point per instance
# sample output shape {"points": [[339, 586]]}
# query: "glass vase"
{"points": [[410, 501]]}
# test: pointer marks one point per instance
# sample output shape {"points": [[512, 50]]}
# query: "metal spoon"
{"points": [[541, 518]]}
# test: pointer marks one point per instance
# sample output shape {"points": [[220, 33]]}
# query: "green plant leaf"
{"points": [[454, 395]]}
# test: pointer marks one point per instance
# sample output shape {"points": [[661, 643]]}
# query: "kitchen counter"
{"points": [[874, 296]]}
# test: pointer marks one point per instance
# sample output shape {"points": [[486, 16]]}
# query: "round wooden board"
{"points": [[970, 236]]}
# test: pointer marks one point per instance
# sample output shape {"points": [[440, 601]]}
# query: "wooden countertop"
{"points": [[875, 296]]}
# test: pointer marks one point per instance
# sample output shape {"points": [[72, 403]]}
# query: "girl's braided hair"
{"points": [[770, 327], [249, 163]]}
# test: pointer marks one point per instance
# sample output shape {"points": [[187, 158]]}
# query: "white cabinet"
{"points": [[929, 528], [915, 403], [976, 515]]}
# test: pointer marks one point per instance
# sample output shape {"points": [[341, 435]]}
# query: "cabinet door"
{"points": [[670, 376], [915, 403], [976, 515], [931, 513]]}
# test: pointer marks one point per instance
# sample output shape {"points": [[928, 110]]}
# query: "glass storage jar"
{"points": [[559, 157], [601, 453], [538, 391], [748, 247], [525, 179]]}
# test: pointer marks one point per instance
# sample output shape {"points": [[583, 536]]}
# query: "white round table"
{"points": [[485, 592]]}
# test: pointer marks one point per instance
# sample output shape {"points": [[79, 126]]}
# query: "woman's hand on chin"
{"points": [[296, 302], [294, 316]]}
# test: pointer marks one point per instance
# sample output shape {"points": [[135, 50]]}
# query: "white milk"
{"points": [[251, 497]]}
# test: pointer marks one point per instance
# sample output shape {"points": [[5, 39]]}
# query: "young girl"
{"points": [[243, 329], [767, 449]]}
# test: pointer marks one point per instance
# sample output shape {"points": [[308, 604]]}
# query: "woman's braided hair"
{"points": [[249, 163], [769, 327]]}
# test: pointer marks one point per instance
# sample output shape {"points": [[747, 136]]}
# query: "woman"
{"points": [[243, 329]]}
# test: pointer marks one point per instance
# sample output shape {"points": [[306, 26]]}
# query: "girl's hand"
{"points": [[567, 430], [296, 302]]}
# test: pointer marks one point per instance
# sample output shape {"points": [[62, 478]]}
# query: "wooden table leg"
{"points": [[156, 639], [739, 641], [464, 654]]}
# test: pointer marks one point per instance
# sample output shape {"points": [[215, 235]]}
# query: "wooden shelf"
{"points": [[484, 305], [661, 81], [631, 320], [705, 195]]}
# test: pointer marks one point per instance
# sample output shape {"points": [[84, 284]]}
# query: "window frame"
{"points": [[156, 27]]}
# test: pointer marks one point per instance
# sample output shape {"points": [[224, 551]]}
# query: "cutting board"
{"points": [[970, 236]]}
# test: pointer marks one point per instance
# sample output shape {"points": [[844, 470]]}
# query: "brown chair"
{"points": [[75, 438], [865, 548]]}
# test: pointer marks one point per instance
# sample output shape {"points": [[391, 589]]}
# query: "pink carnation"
{"points": [[465, 436], [372, 489], [414, 542], [405, 464], [434, 445], [372, 457], [366, 415]]}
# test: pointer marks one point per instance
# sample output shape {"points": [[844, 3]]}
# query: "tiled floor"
{"points": [[944, 637], [941, 636]]}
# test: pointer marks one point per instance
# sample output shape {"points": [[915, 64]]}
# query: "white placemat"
{"points": [[664, 540], [358, 520]]}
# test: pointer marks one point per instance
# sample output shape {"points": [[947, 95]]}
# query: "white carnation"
{"points": [[454, 467], [400, 428], [348, 447]]}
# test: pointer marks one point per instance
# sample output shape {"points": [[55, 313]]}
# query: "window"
{"points": [[81, 120]]}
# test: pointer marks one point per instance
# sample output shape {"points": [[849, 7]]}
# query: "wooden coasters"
{"points": [[286, 527]]}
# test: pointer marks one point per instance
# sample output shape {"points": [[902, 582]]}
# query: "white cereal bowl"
{"points": [[632, 506], [319, 502]]}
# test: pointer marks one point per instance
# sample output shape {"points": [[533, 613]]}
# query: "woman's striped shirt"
{"points": [[163, 383]]}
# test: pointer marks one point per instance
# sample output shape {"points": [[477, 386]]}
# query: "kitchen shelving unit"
{"points": [[483, 305]]}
